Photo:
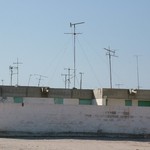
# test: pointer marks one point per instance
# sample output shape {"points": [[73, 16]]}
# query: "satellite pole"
{"points": [[81, 73], [17, 67], [110, 53], [74, 33]]}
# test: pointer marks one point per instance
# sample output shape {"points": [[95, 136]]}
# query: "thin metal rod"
{"points": [[138, 78], [74, 57], [11, 74], [110, 69], [29, 79], [65, 79]]}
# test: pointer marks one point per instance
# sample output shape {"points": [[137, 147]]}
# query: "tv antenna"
{"points": [[110, 53], [17, 63], [74, 41], [40, 78], [69, 76]]}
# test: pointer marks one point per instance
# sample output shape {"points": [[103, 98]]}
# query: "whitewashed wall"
{"points": [[51, 118]]}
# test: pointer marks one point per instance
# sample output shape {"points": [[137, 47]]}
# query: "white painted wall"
{"points": [[98, 102], [116, 102], [71, 101], [45, 118]]}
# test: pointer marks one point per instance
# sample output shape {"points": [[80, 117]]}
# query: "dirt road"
{"points": [[73, 144]]}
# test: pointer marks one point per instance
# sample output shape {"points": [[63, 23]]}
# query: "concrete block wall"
{"points": [[116, 102], [35, 118], [23, 91]]}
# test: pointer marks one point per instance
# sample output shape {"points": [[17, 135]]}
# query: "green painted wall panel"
{"points": [[18, 99], [58, 100], [144, 103], [128, 102], [85, 101]]}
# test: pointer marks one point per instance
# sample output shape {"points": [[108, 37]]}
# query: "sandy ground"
{"points": [[73, 144]]}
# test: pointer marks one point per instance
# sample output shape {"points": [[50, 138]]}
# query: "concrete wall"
{"points": [[125, 94], [23, 91], [116, 102], [33, 100], [45, 119], [120, 102]]}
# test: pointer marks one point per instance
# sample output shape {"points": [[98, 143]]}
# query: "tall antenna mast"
{"points": [[17, 67], [110, 53], [74, 33]]}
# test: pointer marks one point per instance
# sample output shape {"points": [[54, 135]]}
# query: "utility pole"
{"points": [[81, 73], [74, 34], [65, 79], [110, 53], [137, 71], [17, 67]]}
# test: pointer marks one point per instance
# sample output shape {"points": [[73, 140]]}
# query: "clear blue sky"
{"points": [[33, 31]]}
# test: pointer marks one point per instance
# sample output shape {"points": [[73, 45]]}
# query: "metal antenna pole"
{"points": [[68, 78], [17, 63], [29, 79], [11, 74], [65, 79], [81, 73], [110, 53], [74, 48], [69, 75], [138, 78]]}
